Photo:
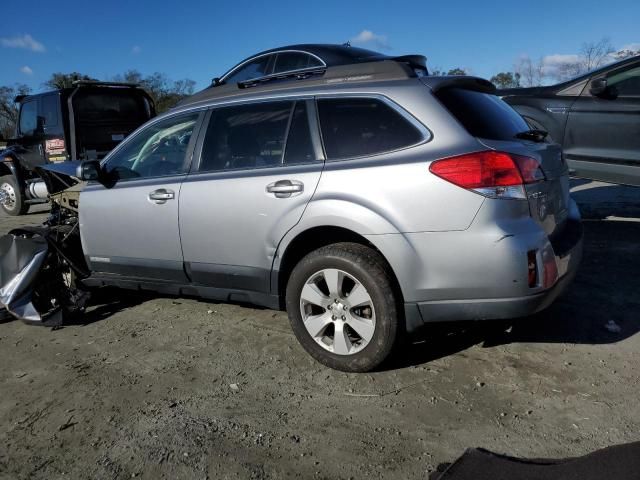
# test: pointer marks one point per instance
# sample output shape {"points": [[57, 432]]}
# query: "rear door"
{"points": [[602, 138], [258, 168], [129, 223]]}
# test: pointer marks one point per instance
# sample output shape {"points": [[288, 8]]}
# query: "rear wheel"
{"points": [[342, 307], [13, 202]]}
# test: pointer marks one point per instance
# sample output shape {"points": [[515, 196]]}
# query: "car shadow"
{"points": [[598, 200], [602, 306], [105, 302]]}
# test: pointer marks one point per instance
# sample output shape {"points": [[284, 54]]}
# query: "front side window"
{"points": [[254, 69], [29, 117], [158, 150], [49, 110], [255, 136], [355, 127], [289, 61], [627, 83]]}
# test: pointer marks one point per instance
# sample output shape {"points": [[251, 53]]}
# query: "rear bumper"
{"points": [[418, 313]]}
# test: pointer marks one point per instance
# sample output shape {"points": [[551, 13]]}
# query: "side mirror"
{"points": [[88, 170], [598, 87]]}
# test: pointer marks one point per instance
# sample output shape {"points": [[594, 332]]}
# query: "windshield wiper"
{"points": [[533, 134]]}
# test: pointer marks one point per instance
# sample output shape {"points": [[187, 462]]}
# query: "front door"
{"points": [[31, 134], [602, 138], [129, 222], [259, 167]]}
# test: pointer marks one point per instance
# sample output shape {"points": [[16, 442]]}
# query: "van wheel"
{"points": [[342, 307], [13, 203]]}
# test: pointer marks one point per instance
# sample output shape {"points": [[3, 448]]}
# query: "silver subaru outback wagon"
{"points": [[366, 198]]}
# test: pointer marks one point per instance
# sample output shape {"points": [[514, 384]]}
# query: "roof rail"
{"points": [[379, 70]]}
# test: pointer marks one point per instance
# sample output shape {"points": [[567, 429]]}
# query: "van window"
{"points": [[29, 117], [482, 114], [246, 136], [354, 127]]}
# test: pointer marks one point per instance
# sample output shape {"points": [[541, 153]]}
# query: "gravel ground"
{"points": [[179, 388]]}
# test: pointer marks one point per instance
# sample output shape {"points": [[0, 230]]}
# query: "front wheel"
{"points": [[13, 201], [342, 307]]}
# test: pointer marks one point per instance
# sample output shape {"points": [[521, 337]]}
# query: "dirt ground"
{"points": [[179, 388]]}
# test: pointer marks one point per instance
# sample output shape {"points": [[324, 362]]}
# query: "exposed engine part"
{"points": [[69, 198], [37, 190], [40, 272]]}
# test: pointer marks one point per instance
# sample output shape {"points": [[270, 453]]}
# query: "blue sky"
{"points": [[200, 40]]}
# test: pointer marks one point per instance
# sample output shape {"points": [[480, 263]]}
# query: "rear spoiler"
{"points": [[459, 81], [414, 61]]}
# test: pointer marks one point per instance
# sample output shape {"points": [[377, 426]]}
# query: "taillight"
{"points": [[490, 173]]}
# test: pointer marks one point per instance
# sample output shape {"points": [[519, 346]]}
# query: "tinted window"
{"points": [[299, 145], [288, 61], [254, 69], [482, 114], [627, 83], [246, 136], [29, 117], [49, 110], [158, 150], [121, 107], [355, 127]]}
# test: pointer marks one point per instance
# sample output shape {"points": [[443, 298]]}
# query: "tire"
{"points": [[359, 273], [15, 204]]}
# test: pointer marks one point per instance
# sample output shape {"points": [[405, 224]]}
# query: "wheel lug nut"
{"points": [[333, 317], [343, 317], [330, 307]]}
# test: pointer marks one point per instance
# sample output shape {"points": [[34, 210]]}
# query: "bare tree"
{"points": [[531, 72], [626, 53], [8, 108], [592, 55]]}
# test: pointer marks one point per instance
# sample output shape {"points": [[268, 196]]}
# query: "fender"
{"points": [[353, 217], [11, 159]]}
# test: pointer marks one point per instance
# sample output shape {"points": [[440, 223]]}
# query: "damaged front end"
{"points": [[41, 267]]}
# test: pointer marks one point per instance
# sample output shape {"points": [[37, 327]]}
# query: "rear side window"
{"points": [[256, 136], [482, 114], [254, 69], [288, 61], [246, 136], [299, 144], [355, 127]]}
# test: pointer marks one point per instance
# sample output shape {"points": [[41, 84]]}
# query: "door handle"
{"points": [[285, 188], [162, 195]]}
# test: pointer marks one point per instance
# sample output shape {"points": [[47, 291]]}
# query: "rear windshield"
{"points": [[125, 107], [482, 114]]}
